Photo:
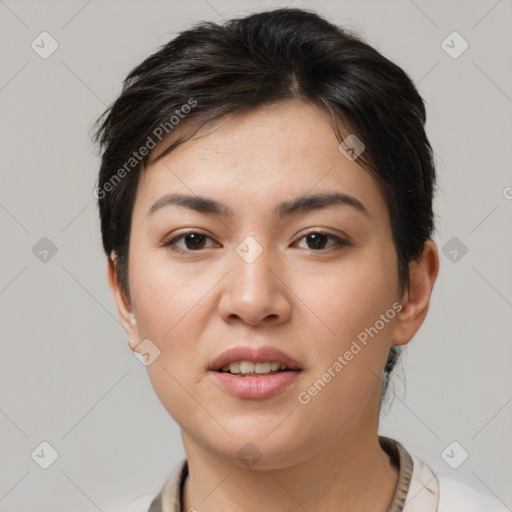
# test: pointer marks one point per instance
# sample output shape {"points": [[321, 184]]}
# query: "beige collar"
{"points": [[413, 492]]}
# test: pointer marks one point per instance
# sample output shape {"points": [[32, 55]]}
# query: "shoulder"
{"points": [[168, 499], [456, 496], [453, 495]]}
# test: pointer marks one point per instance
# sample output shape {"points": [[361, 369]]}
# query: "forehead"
{"points": [[257, 158]]}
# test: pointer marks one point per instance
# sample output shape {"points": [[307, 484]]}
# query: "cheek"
{"points": [[167, 297], [171, 308], [347, 368], [355, 306], [351, 297]]}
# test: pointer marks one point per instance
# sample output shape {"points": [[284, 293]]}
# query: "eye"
{"points": [[316, 240], [192, 241]]}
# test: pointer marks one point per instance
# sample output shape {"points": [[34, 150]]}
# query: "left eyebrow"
{"points": [[298, 205], [318, 201]]}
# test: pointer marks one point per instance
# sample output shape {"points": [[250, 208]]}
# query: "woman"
{"points": [[265, 196]]}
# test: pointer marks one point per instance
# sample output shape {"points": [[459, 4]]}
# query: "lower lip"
{"points": [[255, 387]]}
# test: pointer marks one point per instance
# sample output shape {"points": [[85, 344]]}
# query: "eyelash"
{"points": [[171, 244]]}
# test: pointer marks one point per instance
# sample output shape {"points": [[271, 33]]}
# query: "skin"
{"points": [[309, 301]]}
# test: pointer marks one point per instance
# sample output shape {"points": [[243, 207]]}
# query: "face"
{"points": [[317, 281]]}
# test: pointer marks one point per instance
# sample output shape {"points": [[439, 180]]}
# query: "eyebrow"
{"points": [[296, 206]]}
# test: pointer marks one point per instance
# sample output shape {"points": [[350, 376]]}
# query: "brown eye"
{"points": [[192, 241], [316, 240]]}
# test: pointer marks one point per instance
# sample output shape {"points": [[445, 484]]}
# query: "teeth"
{"points": [[248, 367], [262, 367], [233, 368]]}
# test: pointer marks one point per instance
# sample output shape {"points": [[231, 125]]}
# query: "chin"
{"points": [[259, 451]]}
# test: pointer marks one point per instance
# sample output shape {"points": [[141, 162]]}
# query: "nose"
{"points": [[255, 292]]}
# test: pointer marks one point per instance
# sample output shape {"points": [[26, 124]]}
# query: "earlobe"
{"points": [[415, 301]]}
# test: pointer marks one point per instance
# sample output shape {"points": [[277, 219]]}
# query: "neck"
{"points": [[349, 475]]}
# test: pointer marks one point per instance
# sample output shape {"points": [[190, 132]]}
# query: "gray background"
{"points": [[67, 375]]}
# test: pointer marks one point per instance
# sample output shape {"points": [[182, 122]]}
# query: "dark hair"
{"points": [[211, 70]]}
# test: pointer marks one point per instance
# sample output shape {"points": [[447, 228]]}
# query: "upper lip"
{"points": [[255, 355]]}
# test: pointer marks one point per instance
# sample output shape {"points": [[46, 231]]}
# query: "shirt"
{"points": [[418, 489]]}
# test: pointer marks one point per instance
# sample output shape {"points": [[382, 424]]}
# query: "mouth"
{"points": [[256, 386], [258, 369], [251, 372], [254, 361]]}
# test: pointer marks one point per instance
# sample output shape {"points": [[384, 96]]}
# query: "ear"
{"points": [[415, 301], [123, 304]]}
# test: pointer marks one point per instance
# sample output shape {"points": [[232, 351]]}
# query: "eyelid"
{"points": [[340, 235], [187, 231]]}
